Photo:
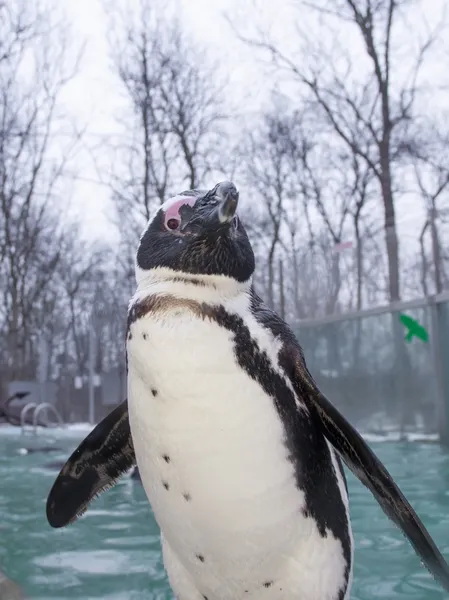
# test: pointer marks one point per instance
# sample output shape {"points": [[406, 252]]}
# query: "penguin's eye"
{"points": [[173, 224]]}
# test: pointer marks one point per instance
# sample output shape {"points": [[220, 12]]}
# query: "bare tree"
{"points": [[356, 185], [79, 273], [431, 169], [174, 131], [34, 71], [367, 110], [320, 181], [269, 157], [309, 187]]}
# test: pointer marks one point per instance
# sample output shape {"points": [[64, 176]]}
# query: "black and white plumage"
{"points": [[238, 450]]}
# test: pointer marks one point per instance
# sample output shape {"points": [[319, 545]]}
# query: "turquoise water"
{"points": [[113, 551]]}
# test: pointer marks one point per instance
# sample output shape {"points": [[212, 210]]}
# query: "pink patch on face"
{"points": [[172, 211]]}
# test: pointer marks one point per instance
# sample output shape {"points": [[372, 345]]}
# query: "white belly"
{"points": [[209, 446]]}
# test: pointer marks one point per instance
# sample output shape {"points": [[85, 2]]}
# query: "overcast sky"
{"points": [[95, 93]]}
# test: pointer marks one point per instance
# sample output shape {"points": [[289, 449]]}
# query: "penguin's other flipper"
{"points": [[365, 465], [95, 466]]}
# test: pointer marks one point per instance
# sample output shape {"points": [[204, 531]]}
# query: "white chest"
{"points": [[210, 449], [203, 429]]}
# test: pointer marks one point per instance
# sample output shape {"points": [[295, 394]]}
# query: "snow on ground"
{"points": [[74, 429]]}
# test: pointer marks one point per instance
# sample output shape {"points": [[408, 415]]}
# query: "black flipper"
{"points": [[95, 466], [365, 465]]}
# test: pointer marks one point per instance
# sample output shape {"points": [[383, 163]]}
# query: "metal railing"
{"points": [[37, 410], [23, 413], [381, 382]]}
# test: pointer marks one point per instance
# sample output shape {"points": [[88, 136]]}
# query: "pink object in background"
{"points": [[342, 246]]}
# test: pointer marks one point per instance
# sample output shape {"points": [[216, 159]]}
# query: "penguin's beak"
{"points": [[222, 213], [229, 199]]}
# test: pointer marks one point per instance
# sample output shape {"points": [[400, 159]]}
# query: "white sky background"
{"points": [[95, 95]]}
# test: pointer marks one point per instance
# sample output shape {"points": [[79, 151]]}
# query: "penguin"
{"points": [[240, 454]]}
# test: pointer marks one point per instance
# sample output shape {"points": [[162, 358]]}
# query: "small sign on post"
{"points": [[414, 329]]}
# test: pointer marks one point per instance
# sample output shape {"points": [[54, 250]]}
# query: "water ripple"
{"points": [[113, 553]]}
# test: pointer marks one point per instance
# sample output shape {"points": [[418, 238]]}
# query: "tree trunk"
{"points": [[436, 251], [271, 272], [270, 281], [359, 262], [391, 238], [296, 299], [359, 270], [281, 289], [336, 284]]}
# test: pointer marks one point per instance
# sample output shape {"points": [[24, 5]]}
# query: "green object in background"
{"points": [[414, 329]]}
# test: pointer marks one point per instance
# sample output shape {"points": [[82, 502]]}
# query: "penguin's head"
{"points": [[198, 233]]}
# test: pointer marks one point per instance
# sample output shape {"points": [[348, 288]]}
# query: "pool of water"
{"points": [[113, 552]]}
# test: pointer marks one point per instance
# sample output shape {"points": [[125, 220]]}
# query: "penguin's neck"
{"points": [[212, 289]]}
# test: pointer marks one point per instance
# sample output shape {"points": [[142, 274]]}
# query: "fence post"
{"points": [[92, 351], [439, 339]]}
